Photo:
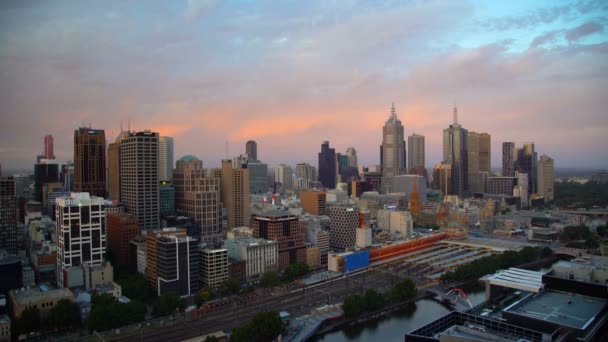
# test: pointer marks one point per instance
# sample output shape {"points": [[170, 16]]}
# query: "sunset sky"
{"points": [[290, 74]]}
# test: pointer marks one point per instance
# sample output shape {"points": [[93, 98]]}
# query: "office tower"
{"points": [[327, 166], [526, 162], [442, 178], [455, 153], [546, 178], [66, 176], [508, 159], [306, 174], [313, 202], [235, 194], [258, 177], [121, 229], [351, 153], [522, 188], [284, 228], [166, 197], [50, 192], [251, 149], [343, 226], [501, 185], [177, 265], [404, 184], [214, 267], [81, 232], [199, 197], [48, 147], [473, 175], [282, 175], [152, 237], [114, 171], [393, 153], [8, 215], [415, 152], [90, 161], [139, 177], [165, 158], [47, 171], [485, 152]]}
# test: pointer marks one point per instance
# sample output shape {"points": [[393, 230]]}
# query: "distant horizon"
{"points": [[290, 75]]}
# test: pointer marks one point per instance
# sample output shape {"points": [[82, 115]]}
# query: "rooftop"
{"points": [[565, 309], [517, 278], [33, 295]]}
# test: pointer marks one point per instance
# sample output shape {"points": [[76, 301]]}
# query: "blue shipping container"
{"points": [[356, 261]]}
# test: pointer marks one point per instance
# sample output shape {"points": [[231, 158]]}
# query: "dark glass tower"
{"points": [[90, 161], [327, 166]]}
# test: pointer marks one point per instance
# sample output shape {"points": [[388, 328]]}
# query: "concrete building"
{"points": [[415, 152], [139, 177], [374, 201], [258, 177], [351, 154], [306, 173], [187, 169], [41, 297], [8, 215], [546, 178], [114, 170], [363, 237], [48, 147], [81, 234], [251, 149], [90, 161], [455, 153], [138, 251], [214, 267], [50, 192], [313, 202], [396, 221], [343, 226], [166, 197], [327, 166], [97, 276], [260, 255], [508, 159], [5, 328], [527, 163], [283, 176], [121, 229], [178, 265], [235, 194], [152, 237], [28, 276], [284, 228], [405, 184], [392, 150], [165, 158], [46, 171], [336, 196], [442, 178], [479, 147], [501, 185]]}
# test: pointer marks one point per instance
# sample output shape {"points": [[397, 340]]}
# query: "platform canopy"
{"points": [[517, 278]]}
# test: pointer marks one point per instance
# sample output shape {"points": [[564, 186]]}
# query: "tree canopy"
{"points": [[264, 327], [167, 304]]}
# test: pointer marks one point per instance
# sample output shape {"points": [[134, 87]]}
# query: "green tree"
{"points": [[65, 315], [229, 286], [602, 231], [270, 279], [265, 326], [404, 290], [167, 304], [204, 295], [294, 271], [107, 313], [546, 252], [28, 322], [353, 306], [135, 287], [374, 300]]}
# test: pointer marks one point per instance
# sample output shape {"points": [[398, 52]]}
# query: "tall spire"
{"points": [[455, 115], [393, 111]]}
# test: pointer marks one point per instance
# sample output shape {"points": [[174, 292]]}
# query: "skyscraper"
{"points": [[284, 228], [526, 162], [165, 158], [508, 159], [8, 215], [327, 166], [121, 229], [546, 178], [415, 151], [90, 161], [47, 171], [48, 147], [282, 174], [81, 235], [393, 153], [343, 226], [478, 160], [455, 153], [235, 194], [485, 152], [139, 177], [351, 153], [251, 148]]}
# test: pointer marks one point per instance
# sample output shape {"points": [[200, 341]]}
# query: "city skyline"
{"points": [[200, 72]]}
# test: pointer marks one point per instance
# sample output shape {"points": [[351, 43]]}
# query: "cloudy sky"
{"points": [[290, 74]]}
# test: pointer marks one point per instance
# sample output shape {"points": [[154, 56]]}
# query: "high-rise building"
{"points": [[415, 152], [166, 197], [47, 171], [121, 229], [165, 158], [139, 177], [214, 267], [526, 163], [455, 153], [114, 171], [90, 161], [501, 185], [327, 166], [48, 147], [258, 177], [343, 226], [283, 228], [251, 149], [313, 202], [8, 215], [546, 178], [473, 175], [393, 155], [152, 237], [81, 235], [351, 154], [178, 265], [187, 169], [283, 175], [485, 152], [508, 159], [442, 178], [235, 194]]}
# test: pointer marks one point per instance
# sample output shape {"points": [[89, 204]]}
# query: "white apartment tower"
{"points": [[165, 158], [81, 233]]}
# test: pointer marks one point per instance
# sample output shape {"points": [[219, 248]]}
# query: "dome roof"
{"points": [[188, 158]]}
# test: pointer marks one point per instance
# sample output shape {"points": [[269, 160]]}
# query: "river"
{"points": [[394, 326]]}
